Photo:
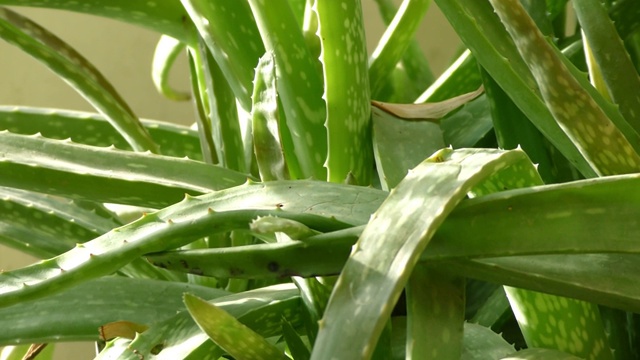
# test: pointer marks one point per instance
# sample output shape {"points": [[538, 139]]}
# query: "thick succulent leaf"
{"points": [[106, 174], [295, 343], [267, 122], [480, 343], [201, 102], [539, 353], [77, 313], [435, 311], [231, 335], [624, 14], [297, 74], [321, 206], [585, 210], [414, 62], [78, 72], [44, 226], [574, 108], [164, 57], [390, 245], [319, 255], [346, 90], [480, 29], [236, 52], [179, 337], [222, 114], [462, 76], [93, 129], [395, 41], [468, 125], [619, 74], [165, 17], [400, 145], [513, 129]]}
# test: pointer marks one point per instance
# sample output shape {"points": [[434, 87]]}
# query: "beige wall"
{"points": [[123, 53]]}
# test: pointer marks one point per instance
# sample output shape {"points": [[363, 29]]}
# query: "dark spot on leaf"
{"points": [[184, 264], [233, 271], [273, 266], [196, 271]]}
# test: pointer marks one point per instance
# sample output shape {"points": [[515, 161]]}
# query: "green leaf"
{"points": [[396, 39], [619, 74], [480, 29], [319, 205], [235, 338], [106, 174], [77, 72], [390, 245], [346, 91], [537, 353], [77, 313], [166, 53], [480, 343], [299, 86], [296, 345], [236, 52], [400, 145], [573, 107], [435, 314], [93, 129], [179, 337], [165, 17], [267, 124]]}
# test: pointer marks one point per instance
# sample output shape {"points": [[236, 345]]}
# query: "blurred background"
{"points": [[123, 53]]}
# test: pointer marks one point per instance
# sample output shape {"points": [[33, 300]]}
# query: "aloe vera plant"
{"points": [[320, 210]]}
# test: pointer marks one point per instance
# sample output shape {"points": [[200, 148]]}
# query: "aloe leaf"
{"points": [[296, 258], [266, 123], [166, 53], [579, 115], [296, 345], [236, 52], [314, 296], [201, 102], [235, 338], [624, 14], [305, 115], [413, 61], [433, 111], [606, 279], [94, 129], [165, 17], [435, 311], [346, 85], [468, 125], [395, 41], [619, 74], [180, 338], [481, 343], [222, 115], [106, 174], [594, 204], [480, 29], [184, 222], [513, 129], [400, 145], [461, 77], [77, 72], [390, 245], [540, 353], [44, 226], [62, 317]]}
